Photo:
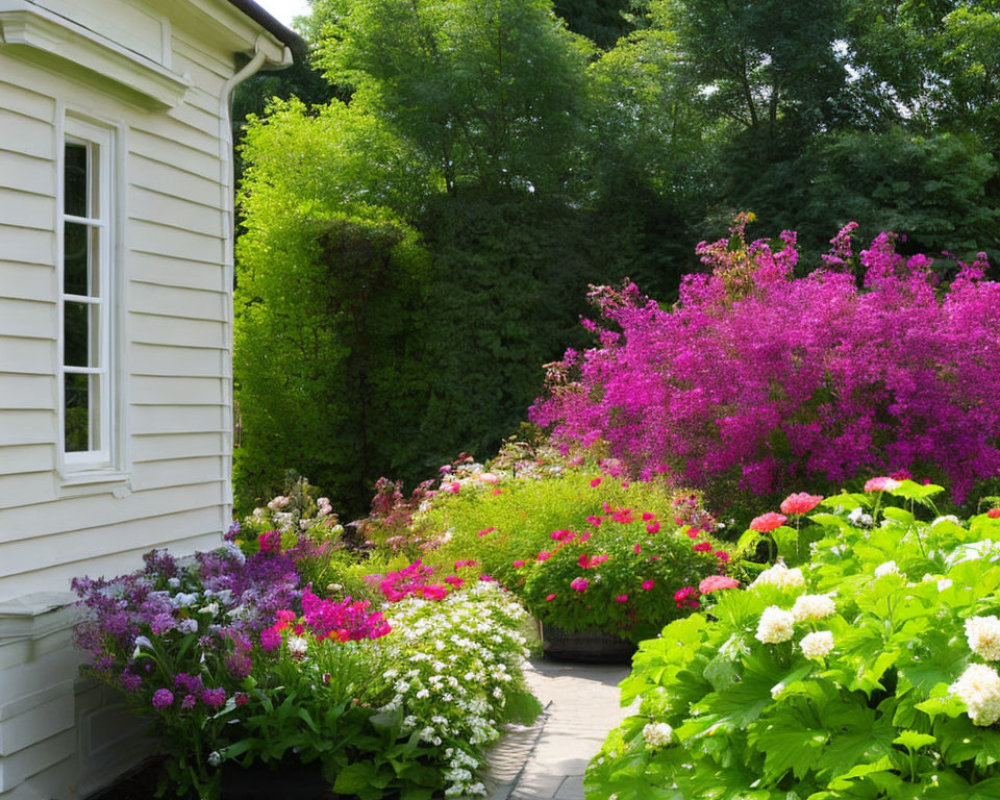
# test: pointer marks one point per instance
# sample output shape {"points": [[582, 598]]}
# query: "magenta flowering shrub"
{"points": [[760, 380]]}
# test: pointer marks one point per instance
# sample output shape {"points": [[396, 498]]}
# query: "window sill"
{"points": [[96, 481]]}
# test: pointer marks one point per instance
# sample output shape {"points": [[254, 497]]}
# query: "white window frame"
{"points": [[102, 461]]}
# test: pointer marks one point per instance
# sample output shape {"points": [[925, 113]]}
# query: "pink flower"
{"points": [[653, 527], [576, 461], [579, 584], [623, 516], [686, 597], [648, 584], [622, 598], [881, 484], [585, 537], [545, 555], [550, 598], [488, 477], [637, 548], [270, 639], [647, 516], [485, 531], [269, 542], [767, 522], [715, 582], [723, 556], [596, 482], [454, 580], [702, 547], [588, 562], [454, 487], [595, 521], [561, 536], [693, 533], [497, 492], [434, 591], [518, 564], [800, 503], [487, 579]]}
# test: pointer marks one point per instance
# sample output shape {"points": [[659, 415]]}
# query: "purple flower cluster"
{"points": [[759, 379]]}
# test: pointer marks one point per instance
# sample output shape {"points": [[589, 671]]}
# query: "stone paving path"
{"points": [[547, 760]]}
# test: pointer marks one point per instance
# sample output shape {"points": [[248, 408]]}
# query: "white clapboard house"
{"points": [[116, 226]]}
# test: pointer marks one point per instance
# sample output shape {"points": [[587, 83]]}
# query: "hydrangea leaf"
{"points": [[844, 781], [900, 515], [914, 740], [963, 742], [920, 493], [948, 785]]}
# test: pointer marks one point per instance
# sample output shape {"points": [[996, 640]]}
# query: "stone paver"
{"points": [[581, 704]]}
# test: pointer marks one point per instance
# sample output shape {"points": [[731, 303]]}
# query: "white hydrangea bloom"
{"points": [[979, 688], [781, 576], [943, 584], [813, 606], [658, 734], [886, 568], [777, 689], [817, 644], [776, 625], [983, 634]]}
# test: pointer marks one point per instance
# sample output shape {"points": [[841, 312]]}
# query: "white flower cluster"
{"points": [[812, 607], [859, 519], [657, 734], [781, 576], [817, 644], [776, 625], [979, 688], [465, 653], [983, 634]]}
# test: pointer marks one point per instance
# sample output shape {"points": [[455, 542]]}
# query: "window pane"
{"points": [[80, 334], [79, 255], [78, 403], [77, 185]]}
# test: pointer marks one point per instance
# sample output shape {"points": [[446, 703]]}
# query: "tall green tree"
{"points": [[489, 89]]}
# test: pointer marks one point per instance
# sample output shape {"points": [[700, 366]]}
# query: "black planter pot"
{"points": [[589, 646], [288, 782]]}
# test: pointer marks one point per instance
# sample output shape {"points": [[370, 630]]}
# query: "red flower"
{"points": [[637, 548], [723, 556], [545, 555], [800, 503], [595, 521], [550, 598], [648, 516], [596, 482], [560, 536], [702, 547], [622, 598], [485, 531], [454, 580], [693, 533], [993, 513], [648, 584], [653, 527], [518, 564], [768, 522], [622, 516], [579, 584]]}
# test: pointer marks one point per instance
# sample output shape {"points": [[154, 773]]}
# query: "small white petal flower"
{"points": [[886, 568], [812, 607], [979, 688], [781, 576], [657, 734], [817, 644], [775, 625], [983, 634], [297, 645]]}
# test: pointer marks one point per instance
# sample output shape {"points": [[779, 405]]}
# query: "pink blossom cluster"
{"points": [[759, 379]]}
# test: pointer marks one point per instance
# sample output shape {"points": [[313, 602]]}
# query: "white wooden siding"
{"points": [[175, 319]]}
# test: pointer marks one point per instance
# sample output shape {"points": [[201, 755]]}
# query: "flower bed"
{"points": [[234, 660], [865, 672]]}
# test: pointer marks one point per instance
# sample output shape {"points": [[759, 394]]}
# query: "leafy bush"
{"points": [[863, 673], [758, 381], [581, 548]]}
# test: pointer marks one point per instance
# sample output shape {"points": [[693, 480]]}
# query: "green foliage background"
{"points": [[419, 231]]}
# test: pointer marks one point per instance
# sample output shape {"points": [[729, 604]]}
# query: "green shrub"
{"points": [[581, 548], [858, 675]]}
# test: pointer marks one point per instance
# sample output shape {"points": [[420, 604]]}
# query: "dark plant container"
{"points": [[590, 646], [258, 782]]}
